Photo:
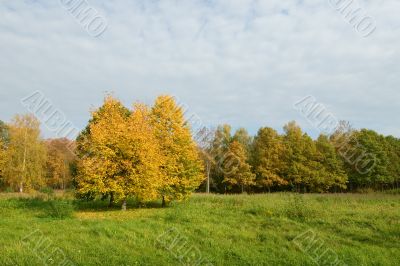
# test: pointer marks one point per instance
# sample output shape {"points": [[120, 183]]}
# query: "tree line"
{"points": [[27, 162], [347, 160], [150, 152], [143, 152]]}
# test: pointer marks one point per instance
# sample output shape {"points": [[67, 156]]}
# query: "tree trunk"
{"points": [[23, 165], [163, 204], [111, 200], [242, 188], [208, 178], [63, 179], [124, 205]]}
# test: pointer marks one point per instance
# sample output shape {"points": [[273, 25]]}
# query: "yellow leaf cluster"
{"points": [[25, 155], [182, 168], [141, 153]]}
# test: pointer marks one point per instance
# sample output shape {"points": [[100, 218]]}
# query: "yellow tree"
{"points": [[331, 174], [95, 150], [237, 172], [143, 158], [4, 139], [2, 160], [269, 165], [182, 168], [26, 154], [122, 158]]}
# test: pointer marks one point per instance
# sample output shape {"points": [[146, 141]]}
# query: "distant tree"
{"points": [[182, 168], [2, 162], [331, 174], [242, 136], [25, 155], [204, 141], [222, 140], [237, 172], [300, 158], [4, 139], [219, 151], [268, 161], [4, 133], [367, 159], [59, 161], [393, 153]]}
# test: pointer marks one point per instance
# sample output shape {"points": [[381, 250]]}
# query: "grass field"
{"points": [[275, 229]]}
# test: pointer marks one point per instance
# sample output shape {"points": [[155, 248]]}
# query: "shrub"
{"points": [[393, 191], [297, 208], [60, 209], [48, 191], [364, 190]]}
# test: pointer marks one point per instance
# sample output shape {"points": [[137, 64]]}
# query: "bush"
{"points": [[364, 190], [393, 191], [9, 190], [60, 209], [47, 190], [297, 208]]}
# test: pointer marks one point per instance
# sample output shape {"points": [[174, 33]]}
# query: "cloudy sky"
{"points": [[242, 62]]}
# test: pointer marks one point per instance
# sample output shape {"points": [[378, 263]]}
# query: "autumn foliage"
{"points": [[143, 153], [149, 153], [180, 163]]}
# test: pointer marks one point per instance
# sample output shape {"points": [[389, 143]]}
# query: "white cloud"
{"points": [[241, 62]]}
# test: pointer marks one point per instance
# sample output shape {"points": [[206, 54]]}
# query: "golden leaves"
{"points": [[25, 155], [140, 152]]}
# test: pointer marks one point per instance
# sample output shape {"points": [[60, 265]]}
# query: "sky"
{"points": [[241, 62]]}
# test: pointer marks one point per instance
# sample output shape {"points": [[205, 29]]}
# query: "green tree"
{"points": [[4, 138], [300, 158], [4, 133], [366, 159], [268, 161], [2, 162], [332, 174], [182, 168], [242, 136], [393, 153]]}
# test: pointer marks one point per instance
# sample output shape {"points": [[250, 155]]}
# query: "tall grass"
{"points": [[224, 229]]}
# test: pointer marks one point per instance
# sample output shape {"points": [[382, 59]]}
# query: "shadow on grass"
{"points": [[45, 207], [59, 208], [99, 205]]}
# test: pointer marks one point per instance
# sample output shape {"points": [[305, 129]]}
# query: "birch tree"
{"points": [[26, 154], [59, 161]]}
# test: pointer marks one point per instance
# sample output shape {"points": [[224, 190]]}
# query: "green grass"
{"points": [[223, 230]]}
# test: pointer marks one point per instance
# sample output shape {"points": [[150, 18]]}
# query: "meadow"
{"points": [[268, 229]]}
